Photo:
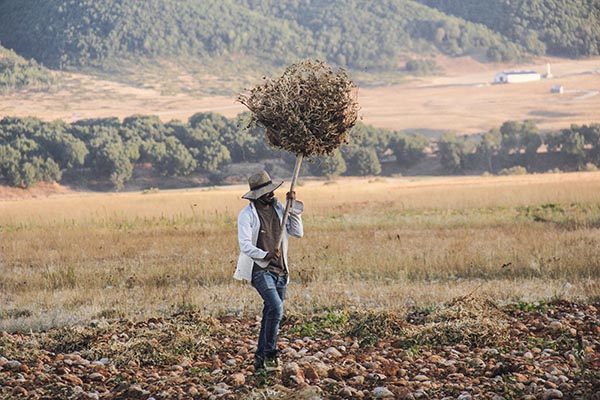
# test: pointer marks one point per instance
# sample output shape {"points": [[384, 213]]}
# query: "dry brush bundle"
{"points": [[467, 307], [375, 323], [469, 320], [471, 332], [309, 110]]}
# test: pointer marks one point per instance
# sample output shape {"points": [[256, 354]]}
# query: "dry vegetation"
{"points": [[308, 110], [395, 244]]}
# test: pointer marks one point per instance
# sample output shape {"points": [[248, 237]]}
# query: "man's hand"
{"points": [[290, 195], [273, 255]]}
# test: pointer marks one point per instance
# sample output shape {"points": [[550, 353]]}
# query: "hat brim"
{"points": [[255, 194]]}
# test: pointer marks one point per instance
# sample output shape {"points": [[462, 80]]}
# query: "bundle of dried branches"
{"points": [[309, 110], [482, 331], [467, 307], [469, 320]]}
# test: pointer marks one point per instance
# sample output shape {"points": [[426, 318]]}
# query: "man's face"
{"points": [[267, 198]]}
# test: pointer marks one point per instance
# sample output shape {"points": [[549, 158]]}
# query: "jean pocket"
{"points": [[263, 280]]}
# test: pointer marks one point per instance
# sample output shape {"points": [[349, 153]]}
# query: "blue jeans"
{"points": [[271, 288]]}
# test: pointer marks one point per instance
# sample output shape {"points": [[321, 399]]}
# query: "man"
{"points": [[261, 261]]}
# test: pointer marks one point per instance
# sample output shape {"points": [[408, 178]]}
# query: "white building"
{"points": [[517, 77]]}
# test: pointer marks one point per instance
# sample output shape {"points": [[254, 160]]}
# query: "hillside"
{"points": [[180, 42], [551, 27], [355, 34]]}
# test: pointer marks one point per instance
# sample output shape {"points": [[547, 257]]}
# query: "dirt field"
{"points": [[464, 100], [548, 351]]}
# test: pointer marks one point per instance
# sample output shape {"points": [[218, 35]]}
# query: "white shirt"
{"points": [[248, 229]]}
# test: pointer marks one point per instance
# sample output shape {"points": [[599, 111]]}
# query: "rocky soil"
{"points": [[467, 349]]}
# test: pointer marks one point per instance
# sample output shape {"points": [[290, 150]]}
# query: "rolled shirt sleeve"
{"points": [[294, 224]]}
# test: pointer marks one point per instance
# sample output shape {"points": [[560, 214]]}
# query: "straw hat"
{"points": [[260, 184]]}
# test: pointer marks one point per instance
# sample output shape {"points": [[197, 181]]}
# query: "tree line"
{"points": [[32, 150], [516, 146], [108, 149]]}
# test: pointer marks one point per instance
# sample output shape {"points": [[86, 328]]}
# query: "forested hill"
{"points": [[355, 34], [554, 27], [359, 35]]}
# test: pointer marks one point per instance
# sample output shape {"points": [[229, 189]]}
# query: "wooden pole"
{"points": [[289, 203]]}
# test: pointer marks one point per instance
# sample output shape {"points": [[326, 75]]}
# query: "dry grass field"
{"points": [[395, 244], [463, 100]]}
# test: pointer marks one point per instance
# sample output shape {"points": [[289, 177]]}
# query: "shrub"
{"points": [[421, 67], [329, 166], [365, 162], [516, 170]]}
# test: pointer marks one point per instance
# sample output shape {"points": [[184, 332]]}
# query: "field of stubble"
{"points": [[463, 287]]}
